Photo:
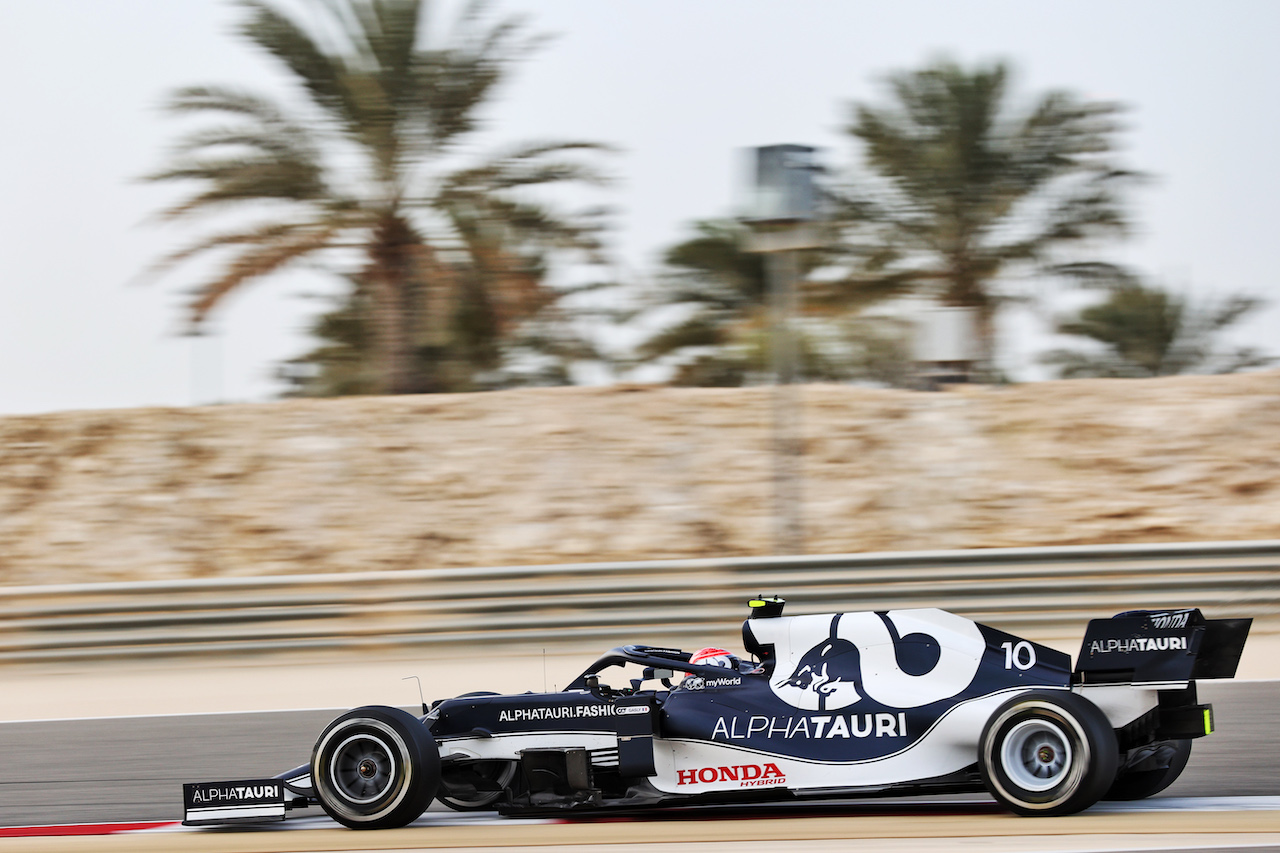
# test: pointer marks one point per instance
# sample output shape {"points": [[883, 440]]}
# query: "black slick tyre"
{"points": [[1157, 768], [375, 768], [1047, 753]]}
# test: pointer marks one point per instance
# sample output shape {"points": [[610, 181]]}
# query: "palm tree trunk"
{"points": [[966, 288], [985, 370], [392, 275]]}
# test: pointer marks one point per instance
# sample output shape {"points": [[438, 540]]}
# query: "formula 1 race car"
{"points": [[831, 705]]}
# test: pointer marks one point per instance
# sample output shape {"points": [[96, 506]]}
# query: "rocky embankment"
{"points": [[628, 473]]}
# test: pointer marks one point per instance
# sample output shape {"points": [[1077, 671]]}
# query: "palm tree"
{"points": [[720, 291], [964, 190], [452, 258], [542, 351], [1148, 331]]}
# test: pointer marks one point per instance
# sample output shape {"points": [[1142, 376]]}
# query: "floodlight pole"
{"points": [[783, 206], [787, 446]]}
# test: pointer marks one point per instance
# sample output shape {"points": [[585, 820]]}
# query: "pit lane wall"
{"points": [[1032, 592]]}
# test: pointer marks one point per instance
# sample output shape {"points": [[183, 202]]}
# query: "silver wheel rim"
{"points": [[1036, 755], [362, 768]]}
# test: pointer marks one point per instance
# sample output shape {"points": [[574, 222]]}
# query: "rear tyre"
{"points": [[1047, 753], [1153, 772], [375, 768]]}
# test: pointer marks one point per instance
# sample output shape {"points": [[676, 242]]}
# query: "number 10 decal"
{"points": [[1021, 655]]}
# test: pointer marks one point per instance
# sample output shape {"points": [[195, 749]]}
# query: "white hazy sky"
{"points": [[679, 85]]}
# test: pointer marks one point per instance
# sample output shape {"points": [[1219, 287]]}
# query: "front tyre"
{"points": [[375, 768], [1048, 753]]}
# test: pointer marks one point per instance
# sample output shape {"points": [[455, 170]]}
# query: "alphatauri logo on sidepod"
{"points": [[899, 659]]}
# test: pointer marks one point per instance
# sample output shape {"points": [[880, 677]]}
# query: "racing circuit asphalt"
{"points": [[132, 768]]}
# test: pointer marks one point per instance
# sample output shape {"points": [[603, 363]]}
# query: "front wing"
{"points": [[247, 800]]}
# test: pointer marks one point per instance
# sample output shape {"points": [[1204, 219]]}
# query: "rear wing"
{"points": [[1160, 646]]}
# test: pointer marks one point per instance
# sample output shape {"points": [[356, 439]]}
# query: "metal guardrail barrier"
{"points": [[1033, 591]]}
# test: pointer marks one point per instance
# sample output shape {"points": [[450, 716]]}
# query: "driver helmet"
{"points": [[712, 656]]}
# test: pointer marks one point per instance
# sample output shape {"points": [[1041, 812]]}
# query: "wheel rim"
{"points": [[1036, 755], [362, 769]]}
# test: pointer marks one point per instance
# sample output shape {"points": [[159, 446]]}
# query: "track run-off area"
{"points": [[1164, 823], [106, 760]]}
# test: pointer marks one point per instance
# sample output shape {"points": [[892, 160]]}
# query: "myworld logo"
{"points": [[746, 775], [697, 682]]}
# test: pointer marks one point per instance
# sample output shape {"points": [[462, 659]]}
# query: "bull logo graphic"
{"points": [[893, 659], [884, 657], [826, 677], [825, 667]]}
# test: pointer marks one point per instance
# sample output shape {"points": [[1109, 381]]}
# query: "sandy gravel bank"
{"points": [[606, 474]]}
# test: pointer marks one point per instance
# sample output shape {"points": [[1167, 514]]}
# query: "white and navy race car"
{"points": [[830, 705]]}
